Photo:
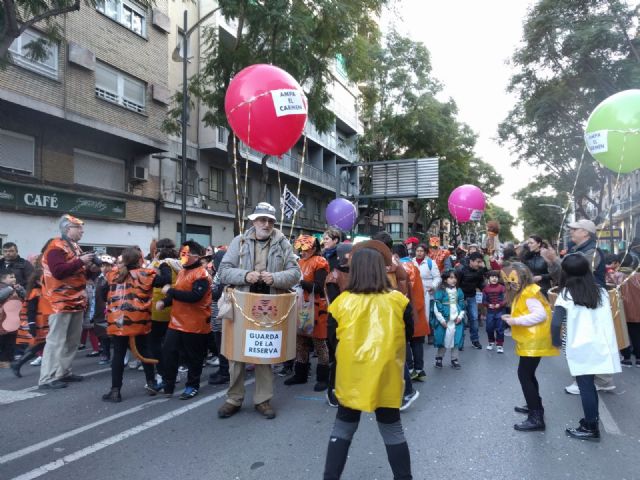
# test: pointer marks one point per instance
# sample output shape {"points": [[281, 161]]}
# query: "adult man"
{"points": [[13, 263], [261, 260], [471, 281], [65, 271], [583, 237]]}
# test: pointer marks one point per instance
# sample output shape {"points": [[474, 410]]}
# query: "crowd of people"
{"points": [[376, 306]]}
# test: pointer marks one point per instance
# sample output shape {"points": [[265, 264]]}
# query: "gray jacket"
{"points": [[238, 261]]}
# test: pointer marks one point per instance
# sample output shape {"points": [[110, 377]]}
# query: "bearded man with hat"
{"points": [[65, 272], [260, 260]]}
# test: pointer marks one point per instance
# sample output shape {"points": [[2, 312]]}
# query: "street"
{"points": [[459, 427]]}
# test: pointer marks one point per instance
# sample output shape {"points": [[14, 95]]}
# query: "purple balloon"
{"points": [[466, 202], [341, 213]]}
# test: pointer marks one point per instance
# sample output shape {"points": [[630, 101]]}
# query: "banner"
{"points": [[290, 203]]}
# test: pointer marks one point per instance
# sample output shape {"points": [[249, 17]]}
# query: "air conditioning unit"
{"points": [[139, 174]]}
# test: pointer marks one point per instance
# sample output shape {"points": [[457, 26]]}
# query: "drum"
{"points": [[262, 330]]}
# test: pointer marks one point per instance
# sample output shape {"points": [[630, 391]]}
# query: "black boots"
{"points": [[322, 378], [534, 422], [300, 374], [113, 395], [336, 458], [585, 431], [16, 365], [524, 409]]}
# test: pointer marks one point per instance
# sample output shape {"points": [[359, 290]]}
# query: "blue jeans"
{"points": [[495, 326], [472, 317]]}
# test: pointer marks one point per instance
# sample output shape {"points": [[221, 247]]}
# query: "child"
{"points": [[493, 297], [12, 292], [34, 324], [591, 344], [447, 321], [530, 322], [373, 324], [190, 323]]}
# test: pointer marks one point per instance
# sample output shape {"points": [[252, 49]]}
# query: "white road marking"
{"points": [[61, 462], [10, 396], [609, 424], [45, 443], [88, 374]]}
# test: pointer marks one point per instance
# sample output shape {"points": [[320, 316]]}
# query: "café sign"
{"points": [[27, 196]]}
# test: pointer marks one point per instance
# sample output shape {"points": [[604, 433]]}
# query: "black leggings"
{"points": [[528, 382], [190, 348], [120, 347], [634, 337], [156, 338], [588, 396]]}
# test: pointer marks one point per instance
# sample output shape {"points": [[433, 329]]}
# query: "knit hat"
{"points": [[342, 250], [68, 220]]}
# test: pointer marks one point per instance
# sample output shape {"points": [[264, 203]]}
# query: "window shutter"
{"points": [[17, 151]]}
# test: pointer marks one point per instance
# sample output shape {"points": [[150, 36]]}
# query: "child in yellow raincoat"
{"points": [[530, 322], [373, 325]]}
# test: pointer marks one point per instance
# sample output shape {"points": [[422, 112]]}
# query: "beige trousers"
{"points": [[65, 330], [264, 383]]}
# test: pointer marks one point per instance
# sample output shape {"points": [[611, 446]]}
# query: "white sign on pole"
{"points": [[288, 102], [263, 344], [290, 203]]}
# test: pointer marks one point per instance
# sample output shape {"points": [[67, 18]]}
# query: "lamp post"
{"points": [[183, 126]]}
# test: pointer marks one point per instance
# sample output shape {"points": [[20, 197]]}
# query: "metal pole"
{"points": [[185, 100]]}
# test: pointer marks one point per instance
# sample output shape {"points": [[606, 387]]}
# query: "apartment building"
{"points": [[211, 197], [77, 130], [619, 216]]}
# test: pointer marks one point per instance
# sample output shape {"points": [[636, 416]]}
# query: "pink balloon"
{"points": [[266, 108], [466, 203]]}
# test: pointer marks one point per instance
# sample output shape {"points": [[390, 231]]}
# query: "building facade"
{"points": [[77, 130]]}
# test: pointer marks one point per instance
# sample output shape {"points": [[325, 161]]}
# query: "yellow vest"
{"points": [[535, 340], [161, 315], [371, 349]]}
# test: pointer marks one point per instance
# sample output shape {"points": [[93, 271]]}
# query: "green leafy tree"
{"points": [[298, 36], [18, 15], [506, 220], [541, 212], [575, 53]]}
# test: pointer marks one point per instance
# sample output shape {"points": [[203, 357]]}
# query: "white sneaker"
{"points": [[213, 361], [490, 346], [37, 362], [500, 349], [407, 400], [605, 388], [573, 389]]}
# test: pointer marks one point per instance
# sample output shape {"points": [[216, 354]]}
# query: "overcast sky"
{"points": [[469, 42]]}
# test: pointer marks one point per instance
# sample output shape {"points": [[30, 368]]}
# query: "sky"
{"points": [[470, 42]]}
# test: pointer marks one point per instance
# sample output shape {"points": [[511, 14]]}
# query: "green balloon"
{"points": [[613, 132]]}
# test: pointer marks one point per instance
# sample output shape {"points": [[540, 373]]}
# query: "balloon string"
{"points": [[570, 199], [304, 151], [281, 193], [235, 182], [245, 199]]}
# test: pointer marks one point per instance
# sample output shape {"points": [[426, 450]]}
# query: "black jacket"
{"points": [[469, 280], [19, 267], [538, 266]]}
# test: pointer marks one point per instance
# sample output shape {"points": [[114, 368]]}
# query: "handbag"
{"points": [[225, 305], [306, 319]]}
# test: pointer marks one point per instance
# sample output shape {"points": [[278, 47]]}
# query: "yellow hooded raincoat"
{"points": [[534, 340]]}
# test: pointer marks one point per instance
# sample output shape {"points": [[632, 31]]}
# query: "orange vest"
{"points": [[192, 317], [420, 323], [42, 319], [439, 256], [68, 294], [129, 303], [309, 267]]}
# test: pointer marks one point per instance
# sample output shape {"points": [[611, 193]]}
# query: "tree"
{"points": [[506, 220], [541, 213], [298, 36], [18, 15], [575, 54], [404, 119]]}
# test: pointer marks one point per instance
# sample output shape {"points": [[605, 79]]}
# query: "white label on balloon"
{"points": [[288, 102], [597, 141], [476, 215]]}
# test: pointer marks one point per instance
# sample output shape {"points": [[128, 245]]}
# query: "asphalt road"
{"points": [[459, 428]]}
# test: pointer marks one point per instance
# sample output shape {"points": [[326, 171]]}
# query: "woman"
{"points": [[314, 273], [128, 293], [429, 273], [591, 345], [374, 323], [530, 322], [533, 260]]}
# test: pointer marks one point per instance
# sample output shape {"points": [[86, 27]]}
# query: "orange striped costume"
{"points": [[129, 303], [42, 319], [67, 295], [309, 267]]}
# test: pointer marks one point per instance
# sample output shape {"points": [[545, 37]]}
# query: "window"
{"points": [[192, 177], [98, 170], [20, 54], [117, 87], [222, 135], [318, 209], [216, 183], [126, 13], [241, 192], [395, 230], [199, 233], [393, 207], [17, 152]]}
